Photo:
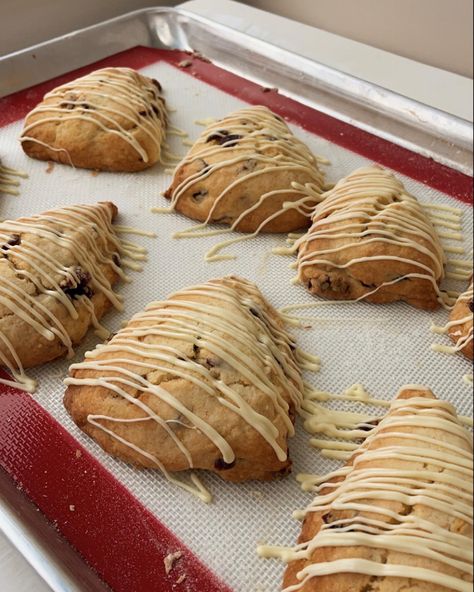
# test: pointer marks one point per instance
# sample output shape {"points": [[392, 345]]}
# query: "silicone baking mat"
{"points": [[124, 521]]}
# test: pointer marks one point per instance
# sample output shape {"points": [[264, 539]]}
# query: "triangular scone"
{"points": [[112, 120], [372, 240], [207, 379], [460, 323], [399, 516], [241, 172], [57, 270]]}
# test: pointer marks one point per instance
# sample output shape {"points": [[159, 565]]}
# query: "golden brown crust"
{"points": [[254, 164], [355, 251], [353, 582], [90, 125], [462, 310], [27, 274], [255, 458]]}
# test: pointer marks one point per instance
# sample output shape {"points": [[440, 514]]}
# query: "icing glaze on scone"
{"points": [[399, 516], [209, 372], [459, 327], [242, 172], [56, 275], [89, 122], [371, 240]]}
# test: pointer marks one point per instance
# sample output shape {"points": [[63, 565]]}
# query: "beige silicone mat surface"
{"points": [[382, 347]]}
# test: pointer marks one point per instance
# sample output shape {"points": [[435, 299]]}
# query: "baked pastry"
{"points": [[371, 240], [56, 276], [241, 172], [399, 516], [113, 119], [460, 323], [207, 379]]}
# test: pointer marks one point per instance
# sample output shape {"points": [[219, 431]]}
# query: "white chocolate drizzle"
{"points": [[111, 95], [358, 494], [8, 181], [84, 231], [257, 130], [463, 339], [239, 334]]}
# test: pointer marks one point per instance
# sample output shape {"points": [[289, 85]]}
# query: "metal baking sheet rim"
{"points": [[415, 126], [427, 131]]}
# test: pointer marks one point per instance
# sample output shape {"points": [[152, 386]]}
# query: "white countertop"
{"points": [[438, 88]]}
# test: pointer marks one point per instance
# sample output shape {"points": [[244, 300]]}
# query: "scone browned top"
{"points": [[113, 119], [460, 324], [247, 170], [370, 239], [399, 516], [56, 275], [207, 379]]}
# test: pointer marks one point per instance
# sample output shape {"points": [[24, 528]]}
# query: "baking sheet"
{"points": [[382, 347]]}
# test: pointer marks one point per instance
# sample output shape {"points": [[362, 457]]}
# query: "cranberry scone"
{"points": [[460, 326], [247, 171], [113, 119], [206, 379], [398, 517], [371, 240], [57, 272]]}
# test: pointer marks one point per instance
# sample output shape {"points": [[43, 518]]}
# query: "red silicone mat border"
{"points": [[114, 533], [416, 166]]}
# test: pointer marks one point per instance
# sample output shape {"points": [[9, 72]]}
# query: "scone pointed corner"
{"points": [[110, 207], [415, 390]]}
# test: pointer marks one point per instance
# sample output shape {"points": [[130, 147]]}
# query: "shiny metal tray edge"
{"points": [[420, 128]]}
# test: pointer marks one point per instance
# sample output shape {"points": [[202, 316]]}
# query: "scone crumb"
{"points": [[95, 173], [198, 55], [267, 89], [170, 560], [185, 63], [72, 508], [78, 453], [50, 167], [181, 579]]}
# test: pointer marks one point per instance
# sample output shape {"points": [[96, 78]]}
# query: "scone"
{"points": [[113, 119], [207, 379], [460, 323], [371, 240], [57, 270], [398, 518], [241, 172]]}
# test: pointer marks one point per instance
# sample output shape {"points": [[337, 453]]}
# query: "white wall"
{"points": [[435, 32]]}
